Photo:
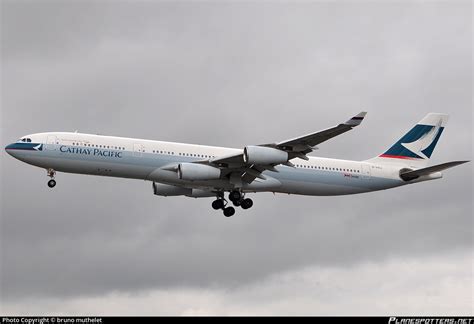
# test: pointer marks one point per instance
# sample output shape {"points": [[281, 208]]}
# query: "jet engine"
{"points": [[264, 155], [194, 171], [161, 189], [165, 190]]}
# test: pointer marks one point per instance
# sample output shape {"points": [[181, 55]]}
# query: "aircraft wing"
{"points": [[305, 144], [233, 159], [294, 148]]}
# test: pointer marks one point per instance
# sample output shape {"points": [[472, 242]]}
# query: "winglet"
{"points": [[356, 120]]}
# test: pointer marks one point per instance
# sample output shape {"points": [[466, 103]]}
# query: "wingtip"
{"points": [[357, 119]]}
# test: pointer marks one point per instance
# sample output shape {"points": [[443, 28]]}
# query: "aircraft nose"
{"points": [[9, 148]]}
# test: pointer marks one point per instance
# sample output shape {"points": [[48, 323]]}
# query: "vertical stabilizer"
{"points": [[416, 147]]}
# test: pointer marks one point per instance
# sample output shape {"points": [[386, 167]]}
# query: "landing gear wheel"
{"points": [[218, 204], [237, 203], [235, 195], [246, 203], [51, 183], [229, 211]]}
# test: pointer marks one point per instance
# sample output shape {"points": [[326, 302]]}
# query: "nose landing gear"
{"points": [[51, 174]]}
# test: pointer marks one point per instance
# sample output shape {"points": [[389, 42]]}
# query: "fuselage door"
{"points": [[138, 149], [51, 142], [365, 168]]}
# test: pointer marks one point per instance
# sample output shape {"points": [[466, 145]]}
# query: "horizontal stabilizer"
{"points": [[411, 175]]}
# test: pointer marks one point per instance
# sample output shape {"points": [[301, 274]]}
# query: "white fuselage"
{"points": [[154, 160]]}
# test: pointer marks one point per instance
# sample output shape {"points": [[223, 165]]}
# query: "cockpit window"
{"points": [[26, 140]]}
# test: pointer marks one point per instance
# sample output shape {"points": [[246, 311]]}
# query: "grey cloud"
{"points": [[226, 75], [444, 289]]}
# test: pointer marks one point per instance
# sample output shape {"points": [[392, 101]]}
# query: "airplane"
{"points": [[179, 169]]}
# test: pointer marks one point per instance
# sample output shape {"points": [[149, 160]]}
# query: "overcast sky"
{"points": [[230, 75]]}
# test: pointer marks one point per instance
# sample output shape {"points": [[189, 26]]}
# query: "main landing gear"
{"points": [[221, 203], [237, 198], [51, 174]]}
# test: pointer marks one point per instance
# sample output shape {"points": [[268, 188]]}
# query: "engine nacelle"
{"points": [[161, 189], [264, 155], [201, 193], [165, 190], [194, 171]]}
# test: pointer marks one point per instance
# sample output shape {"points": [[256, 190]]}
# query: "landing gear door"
{"points": [[365, 168], [51, 142]]}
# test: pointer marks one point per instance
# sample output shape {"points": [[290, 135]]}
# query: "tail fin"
{"points": [[416, 146]]}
